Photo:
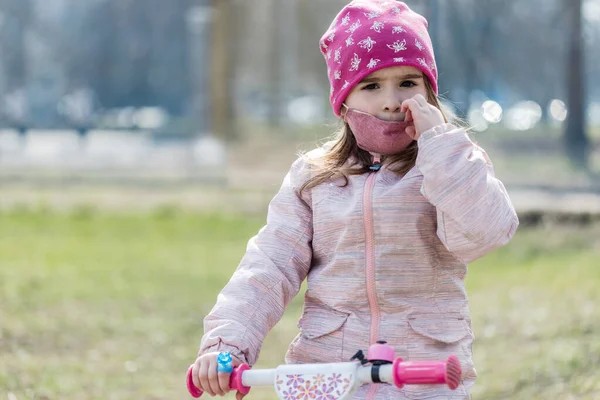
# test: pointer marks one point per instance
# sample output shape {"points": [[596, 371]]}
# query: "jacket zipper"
{"points": [[370, 258]]}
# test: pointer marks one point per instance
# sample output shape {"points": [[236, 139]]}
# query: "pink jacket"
{"points": [[385, 257]]}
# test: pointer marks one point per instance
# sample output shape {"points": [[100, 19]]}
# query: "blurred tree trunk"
{"points": [[274, 66], [470, 54], [575, 139], [462, 30], [221, 66], [288, 50]]}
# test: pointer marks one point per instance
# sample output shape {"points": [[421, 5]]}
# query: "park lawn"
{"points": [[97, 305]]}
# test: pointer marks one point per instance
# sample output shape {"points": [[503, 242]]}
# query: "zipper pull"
{"points": [[376, 163]]}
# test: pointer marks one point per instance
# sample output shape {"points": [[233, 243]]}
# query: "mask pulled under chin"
{"points": [[376, 135]]}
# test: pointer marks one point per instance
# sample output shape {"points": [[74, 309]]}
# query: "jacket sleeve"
{"points": [[474, 213], [268, 277]]}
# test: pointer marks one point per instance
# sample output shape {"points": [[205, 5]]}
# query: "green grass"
{"points": [[96, 305], [535, 316]]}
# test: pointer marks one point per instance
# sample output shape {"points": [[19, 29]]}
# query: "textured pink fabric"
{"points": [[368, 35], [426, 226], [376, 135]]}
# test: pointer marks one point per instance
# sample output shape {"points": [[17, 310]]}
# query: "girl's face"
{"points": [[382, 93]]}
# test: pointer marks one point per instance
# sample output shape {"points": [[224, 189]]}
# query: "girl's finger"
{"points": [[421, 100], [224, 381], [195, 372], [204, 379], [213, 379], [411, 131], [408, 117], [409, 104]]}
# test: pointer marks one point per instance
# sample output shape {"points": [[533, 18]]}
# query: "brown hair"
{"points": [[343, 148]]}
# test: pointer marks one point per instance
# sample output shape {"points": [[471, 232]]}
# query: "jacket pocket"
{"points": [[433, 336], [321, 337], [319, 322], [445, 328]]}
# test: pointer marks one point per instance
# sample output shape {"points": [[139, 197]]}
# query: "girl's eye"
{"points": [[371, 86], [408, 84]]}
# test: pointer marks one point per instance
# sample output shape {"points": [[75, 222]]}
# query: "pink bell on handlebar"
{"points": [[381, 351]]}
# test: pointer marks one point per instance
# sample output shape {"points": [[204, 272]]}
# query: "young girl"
{"points": [[382, 221]]}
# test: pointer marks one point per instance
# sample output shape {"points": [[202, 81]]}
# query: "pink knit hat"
{"points": [[368, 35]]}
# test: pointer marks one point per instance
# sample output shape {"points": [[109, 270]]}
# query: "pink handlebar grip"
{"points": [[235, 381], [427, 372]]}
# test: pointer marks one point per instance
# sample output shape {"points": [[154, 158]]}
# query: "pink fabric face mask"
{"points": [[376, 135]]}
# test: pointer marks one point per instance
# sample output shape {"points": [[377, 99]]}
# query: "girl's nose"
{"points": [[392, 104]]}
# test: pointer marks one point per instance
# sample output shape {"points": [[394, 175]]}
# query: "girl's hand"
{"points": [[423, 115], [207, 379]]}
